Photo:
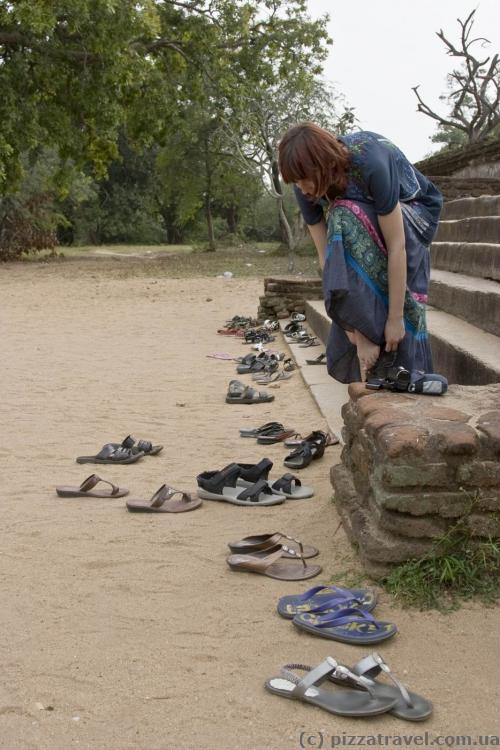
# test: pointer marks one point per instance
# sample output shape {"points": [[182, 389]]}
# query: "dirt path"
{"points": [[132, 627]]}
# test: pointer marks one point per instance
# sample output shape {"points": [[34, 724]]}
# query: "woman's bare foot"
{"points": [[368, 352], [351, 335]]}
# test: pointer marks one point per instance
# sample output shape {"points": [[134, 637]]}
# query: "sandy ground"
{"points": [[132, 627]]}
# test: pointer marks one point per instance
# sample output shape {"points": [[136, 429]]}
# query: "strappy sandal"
{"points": [[221, 485], [275, 564], [324, 599], [142, 446], [291, 486], [349, 625], [311, 341], [86, 487], [260, 543], [253, 432], [275, 436], [298, 439], [409, 706], [344, 702], [163, 502], [293, 327], [110, 454], [248, 396], [321, 360], [307, 451]]}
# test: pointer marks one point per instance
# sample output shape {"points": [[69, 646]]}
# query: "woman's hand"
{"points": [[394, 332]]}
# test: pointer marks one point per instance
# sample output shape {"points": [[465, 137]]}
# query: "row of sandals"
{"points": [[326, 611]]}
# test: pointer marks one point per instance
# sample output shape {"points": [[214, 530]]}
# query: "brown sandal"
{"points": [[260, 543], [162, 502], [84, 490], [275, 565]]}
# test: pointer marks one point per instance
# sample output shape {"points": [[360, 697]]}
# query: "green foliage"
{"points": [[458, 567], [135, 98], [30, 216]]}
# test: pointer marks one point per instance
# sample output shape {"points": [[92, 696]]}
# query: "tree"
{"points": [[474, 89], [256, 127]]}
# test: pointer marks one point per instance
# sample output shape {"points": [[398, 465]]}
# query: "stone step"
{"points": [[480, 259], [461, 208], [477, 229], [329, 394], [462, 352], [475, 300]]}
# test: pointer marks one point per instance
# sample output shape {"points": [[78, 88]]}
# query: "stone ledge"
{"points": [[413, 465]]}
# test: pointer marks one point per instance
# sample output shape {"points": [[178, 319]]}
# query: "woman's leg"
{"points": [[368, 352]]}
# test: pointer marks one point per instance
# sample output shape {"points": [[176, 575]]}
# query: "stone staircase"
{"points": [[410, 463], [464, 297]]}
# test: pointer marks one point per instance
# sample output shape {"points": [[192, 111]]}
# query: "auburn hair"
{"points": [[308, 152]]}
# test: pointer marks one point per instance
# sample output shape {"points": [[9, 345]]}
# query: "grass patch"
{"points": [[457, 568], [182, 261]]}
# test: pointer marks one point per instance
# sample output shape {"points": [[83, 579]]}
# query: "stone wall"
{"points": [[472, 159], [284, 295], [410, 466]]}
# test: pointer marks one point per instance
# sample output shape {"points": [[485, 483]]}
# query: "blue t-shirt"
{"points": [[380, 174]]}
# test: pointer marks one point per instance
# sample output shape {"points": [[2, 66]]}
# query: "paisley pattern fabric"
{"points": [[355, 288]]}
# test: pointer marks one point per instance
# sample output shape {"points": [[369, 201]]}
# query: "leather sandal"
{"points": [[260, 543], [163, 502], [344, 702], [275, 564], [87, 486]]}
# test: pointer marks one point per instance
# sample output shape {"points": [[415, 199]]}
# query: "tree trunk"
{"points": [[286, 230], [208, 196], [232, 219]]}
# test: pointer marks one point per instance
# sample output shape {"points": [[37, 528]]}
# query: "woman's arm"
{"points": [[391, 226], [318, 234]]}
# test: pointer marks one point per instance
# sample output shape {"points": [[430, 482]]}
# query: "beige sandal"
{"points": [[281, 563], [162, 502], [86, 487]]}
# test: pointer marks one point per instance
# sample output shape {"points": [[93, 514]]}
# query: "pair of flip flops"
{"points": [[361, 693], [337, 614], [127, 452], [267, 555], [268, 433], [239, 393]]}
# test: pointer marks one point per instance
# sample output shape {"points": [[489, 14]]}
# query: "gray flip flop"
{"points": [[409, 706], [344, 702]]}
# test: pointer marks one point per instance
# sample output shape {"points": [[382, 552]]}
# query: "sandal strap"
{"points": [[280, 534], [167, 493], [252, 493], [372, 665], [128, 442], [91, 481], [145, 446], [315, 676], [255, 472], [285, 483], [215, 481]]}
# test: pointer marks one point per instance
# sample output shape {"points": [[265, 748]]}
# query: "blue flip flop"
{"points": [[347, 625], [325, 598]]}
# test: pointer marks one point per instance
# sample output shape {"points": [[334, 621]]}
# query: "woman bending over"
{"points": [[373, 245]]}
